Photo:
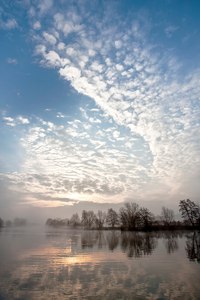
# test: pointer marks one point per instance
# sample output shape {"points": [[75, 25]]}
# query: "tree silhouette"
{"points": [[57, 222], [75, 220], [88, 218], [167, 216], [190, 212], [129, 215], [112, 218], [146, 218], [100, 219]]}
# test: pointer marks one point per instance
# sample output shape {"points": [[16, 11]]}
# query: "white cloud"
{"points": [[16, 121], [49, 38], [44, 203], [80, 163], [118, 44], [9, 121], [136, 100], [37, 25], [70, 24], [60, 115], [119, 67], [95, 66], [70, 73], [9, 24], [116, 134], [23, 120], [146, 125], [70, 51], [45, 5], [91, 52], [53, 59], [12, 61], [61, 46]]}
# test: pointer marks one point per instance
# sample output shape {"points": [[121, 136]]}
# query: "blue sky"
{"points": [[99, 102]]}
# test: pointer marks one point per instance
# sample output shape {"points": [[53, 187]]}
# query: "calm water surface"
{"points": [[47, 263]]}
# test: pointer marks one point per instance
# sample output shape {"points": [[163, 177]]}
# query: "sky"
{"points": [[99, 105]]}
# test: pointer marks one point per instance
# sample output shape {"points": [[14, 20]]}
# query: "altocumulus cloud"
{"points": [[139, 137], [134, 84], [81, 159]]}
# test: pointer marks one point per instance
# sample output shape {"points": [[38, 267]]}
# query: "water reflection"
{"points": [[193, 247], [113, 240], [89, 239], [134, 244], [137, 244], [171, 241], [73, 264]]}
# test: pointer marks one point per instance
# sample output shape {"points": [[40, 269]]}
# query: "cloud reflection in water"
{"points": [[75, 264]]}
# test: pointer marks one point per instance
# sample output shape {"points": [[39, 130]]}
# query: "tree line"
{"points": [[15, 222], [133, 217]]}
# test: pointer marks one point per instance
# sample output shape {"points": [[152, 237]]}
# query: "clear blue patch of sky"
{"points": [[28, 88]]}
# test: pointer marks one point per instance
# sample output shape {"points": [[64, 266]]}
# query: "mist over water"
{"points": [[59, 263]]}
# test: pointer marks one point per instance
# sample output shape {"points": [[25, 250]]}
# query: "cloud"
{"points": [[37, 25], [44, 6], [12, 61], [19, 120], [126, 80], [9, 24], [118, 44], [101, 162], [49, 38], [9, 121], [68, 25], [77, 161], [22, 120], [60, 115], [140, 138]]}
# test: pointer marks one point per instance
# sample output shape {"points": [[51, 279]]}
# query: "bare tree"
{"points": [[88, 218], [84, 218], [167, 216], [112, 218], [146, 218], [57, 222], [190, 212], [100, 219], [129, 215], [75, 220]]}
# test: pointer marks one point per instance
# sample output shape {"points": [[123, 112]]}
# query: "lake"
{"points": [[59, 263]]}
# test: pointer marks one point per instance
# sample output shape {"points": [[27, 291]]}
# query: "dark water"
{"points": [[47, 263]]}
